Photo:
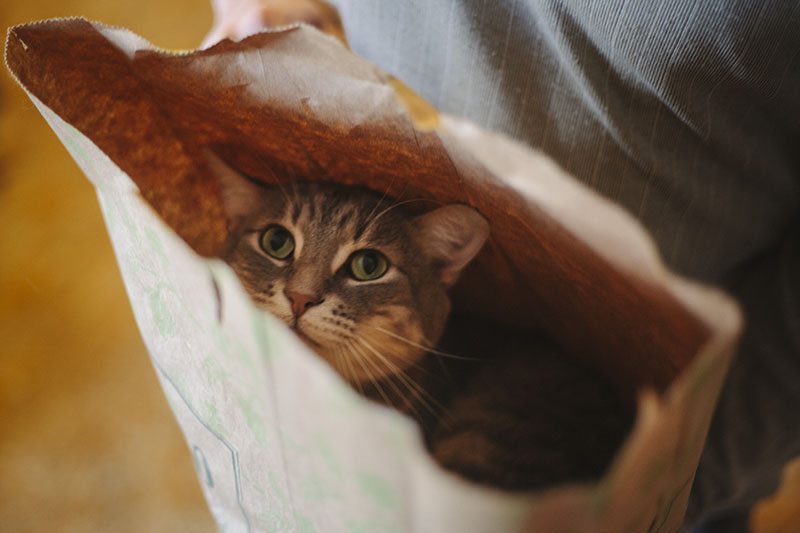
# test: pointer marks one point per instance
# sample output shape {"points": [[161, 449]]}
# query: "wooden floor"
{"points": [[87, 442]]}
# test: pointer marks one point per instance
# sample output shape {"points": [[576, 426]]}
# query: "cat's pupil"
{"points": [[369, 263], [278, 239]]}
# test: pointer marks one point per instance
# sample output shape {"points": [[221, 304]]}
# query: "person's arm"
{"points": [[236, 19]]}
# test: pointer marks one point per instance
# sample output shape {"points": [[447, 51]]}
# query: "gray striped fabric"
{"points": [[681, 111], [687, 113]]}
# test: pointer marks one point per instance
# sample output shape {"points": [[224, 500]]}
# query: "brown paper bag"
{"points": [[296, 105]]}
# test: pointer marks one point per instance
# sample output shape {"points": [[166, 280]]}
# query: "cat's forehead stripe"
{"points": [[297, 206], [329, 213], [344, 217], [331, 208]]}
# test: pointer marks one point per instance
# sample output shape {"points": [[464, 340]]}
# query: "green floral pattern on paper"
{"points": [[254, 421], [161, 313], [304, 525], [368, 526], [213, 419], [317, 489], [377, 489]]}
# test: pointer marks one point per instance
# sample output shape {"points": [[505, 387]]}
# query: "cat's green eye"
{"points": [[277, 242], [366, 265]]}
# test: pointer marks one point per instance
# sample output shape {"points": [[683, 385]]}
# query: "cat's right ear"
{"points": [[240, 196], [451, 237]]}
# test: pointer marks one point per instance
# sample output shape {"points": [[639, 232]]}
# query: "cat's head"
{"points": [[362, 281]]}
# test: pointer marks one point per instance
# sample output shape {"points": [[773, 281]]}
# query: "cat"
{"points": [[529, 416], [364, 283]]}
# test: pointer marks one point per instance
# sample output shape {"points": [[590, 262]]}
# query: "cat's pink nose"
{"points": [[301, 302]]}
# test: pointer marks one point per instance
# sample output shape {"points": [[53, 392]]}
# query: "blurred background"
{"points": [[87, 441]]}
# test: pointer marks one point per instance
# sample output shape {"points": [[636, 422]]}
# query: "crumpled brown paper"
{"points": [[296, 105]]}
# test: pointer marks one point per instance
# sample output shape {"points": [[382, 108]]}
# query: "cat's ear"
{"points": [[451, 237], [240, 196]]}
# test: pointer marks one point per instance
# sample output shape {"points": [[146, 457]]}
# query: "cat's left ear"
{"points": [[240, 196], [451, 236]]}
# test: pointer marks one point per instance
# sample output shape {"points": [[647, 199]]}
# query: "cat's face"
{"points": [[359, 279]]}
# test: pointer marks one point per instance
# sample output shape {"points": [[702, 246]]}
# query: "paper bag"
{"points": [[281, 443]]}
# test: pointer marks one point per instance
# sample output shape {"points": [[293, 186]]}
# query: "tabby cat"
{"points": [[364, 283]]}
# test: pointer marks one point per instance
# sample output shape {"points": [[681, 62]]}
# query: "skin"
{"points": [[236, 19]]}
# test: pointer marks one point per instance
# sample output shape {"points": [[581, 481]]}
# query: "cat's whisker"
{"points": [[397, 204], [375, 207], [339, 366], [398, 374], [360, 359], [420, 346], [400, 395], [413, 387], [348, 369]]}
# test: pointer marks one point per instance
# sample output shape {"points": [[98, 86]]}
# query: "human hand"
{"points": [[236, 19]]}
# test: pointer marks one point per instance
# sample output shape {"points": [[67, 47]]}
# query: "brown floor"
{"points": [[87, 442]]}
